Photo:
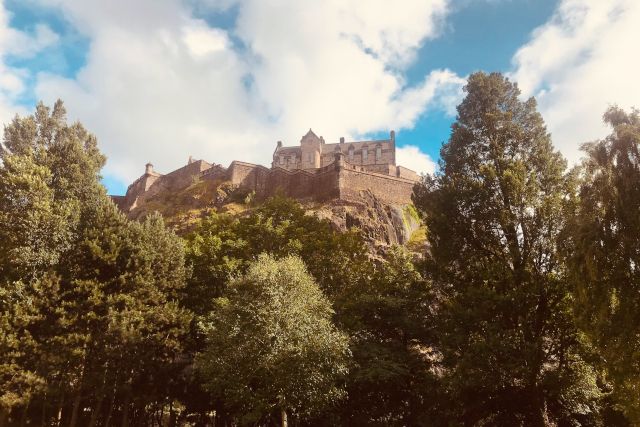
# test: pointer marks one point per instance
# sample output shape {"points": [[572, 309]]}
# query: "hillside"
{"points": [[381, 224]]}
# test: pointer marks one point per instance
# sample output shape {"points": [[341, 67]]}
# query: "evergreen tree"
{"points": [[494, 213], [605, 252]]}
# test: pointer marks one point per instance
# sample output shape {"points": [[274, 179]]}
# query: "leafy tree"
{"points": [[495, 213], [17, 384], [271, 344], [389, 319], [89, 299], [49, 172], [223, 246], [605, 252]]}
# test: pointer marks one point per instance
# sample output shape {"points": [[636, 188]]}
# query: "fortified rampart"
{"points": [[341, 175]]}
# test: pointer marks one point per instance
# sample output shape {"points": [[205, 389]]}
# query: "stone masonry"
{"points": [[313, 170]]}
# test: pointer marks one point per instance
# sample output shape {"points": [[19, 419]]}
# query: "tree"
{"points": [[389, 318], [223, 246], [604, 253], [89, 299], [494, 213], [271, 344], [17, 384], [48, 173], [48, 177]]}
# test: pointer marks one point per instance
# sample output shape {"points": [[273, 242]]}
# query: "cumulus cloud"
{"points": [[580, 62], [14, 43], [410, 156], [160, 84]]}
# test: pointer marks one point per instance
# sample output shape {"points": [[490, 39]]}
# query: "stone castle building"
{"points": [[314, 170]]}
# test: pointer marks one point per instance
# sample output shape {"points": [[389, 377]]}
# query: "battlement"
{"points": [[313, 170]]}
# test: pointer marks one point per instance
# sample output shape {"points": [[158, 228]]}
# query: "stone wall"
{"points": [[339, 180], [385, 169], [329, 182], [184, 177], [319, 185], [247, 175], [146, 185], [389, 189], [403, 172]]}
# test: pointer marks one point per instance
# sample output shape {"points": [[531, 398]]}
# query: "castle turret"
{"points": [[311, 149], [392, 140], [339, 158]]}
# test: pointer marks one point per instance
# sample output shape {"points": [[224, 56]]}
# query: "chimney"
{"points": [[279, 144], [148, 169], [392, 136]]}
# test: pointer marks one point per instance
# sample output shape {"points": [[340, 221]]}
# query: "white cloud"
{"points": [[580, 62], [202, 40], [160, 85], [410, 156], [14, 43]]}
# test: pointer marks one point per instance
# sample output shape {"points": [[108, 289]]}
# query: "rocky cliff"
{"points": [[381, 224]]}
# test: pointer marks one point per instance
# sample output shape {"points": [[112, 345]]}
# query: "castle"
{"points": [[313, 170]]}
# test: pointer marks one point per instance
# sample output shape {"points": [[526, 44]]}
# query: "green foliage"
{"points": [[223, 246], [88, 299], [49, 171], [390, 320], [604, 252], [494, 214], [271, 344]]}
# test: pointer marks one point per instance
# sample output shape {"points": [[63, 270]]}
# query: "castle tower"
{"points": [[311, 149]]}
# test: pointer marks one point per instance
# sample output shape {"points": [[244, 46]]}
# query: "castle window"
{"points": [[378, 152], [351, 153], [310, 157], [282, 160], [365, 154]]}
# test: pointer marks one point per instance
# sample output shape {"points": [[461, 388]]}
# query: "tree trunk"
{"points": [[60, 411], [172, 415], [4, 414], [110, 412], [43, 421], [96, 411], [25, 414], [125, 410], [74, 410], [285, 421]]}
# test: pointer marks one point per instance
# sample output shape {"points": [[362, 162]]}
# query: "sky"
{"points": [[161, 80]]}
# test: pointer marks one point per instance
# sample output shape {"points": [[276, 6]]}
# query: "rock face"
{"points": [[381, 224]]}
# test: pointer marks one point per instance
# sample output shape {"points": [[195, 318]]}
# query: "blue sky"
{"points": [[224, 79]]}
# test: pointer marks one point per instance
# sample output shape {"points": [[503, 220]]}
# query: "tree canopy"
{"points": [[605, 250], [494, 214], [272, 345]]}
